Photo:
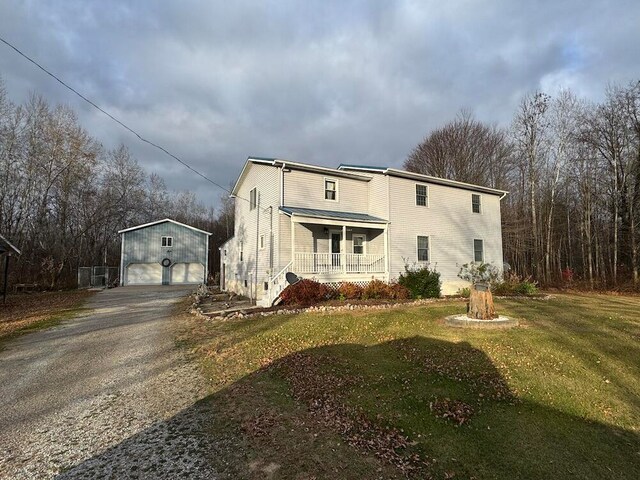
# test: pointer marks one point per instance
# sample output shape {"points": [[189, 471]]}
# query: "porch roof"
{"points": [[332, 215], [6, 248]]}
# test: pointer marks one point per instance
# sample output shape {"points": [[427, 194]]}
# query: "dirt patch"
{"points": [[23, 311]]}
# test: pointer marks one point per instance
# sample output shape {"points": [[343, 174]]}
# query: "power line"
{"points": [[122, 124]]}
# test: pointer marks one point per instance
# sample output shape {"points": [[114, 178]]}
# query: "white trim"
{"points": [[480, 203], [364, 243], [473, 250], [428, 260], [415, 191], [324, 189], [137, 227]]}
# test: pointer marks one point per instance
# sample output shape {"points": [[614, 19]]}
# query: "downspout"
{"points": [[255, 280]]}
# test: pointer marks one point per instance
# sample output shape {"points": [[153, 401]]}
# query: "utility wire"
{"points": [[122, 124]]}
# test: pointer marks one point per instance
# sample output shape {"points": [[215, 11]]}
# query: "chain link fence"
{"points": [[97, 277]]}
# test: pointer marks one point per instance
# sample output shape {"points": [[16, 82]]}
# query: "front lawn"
{"points": [[27, 312], [395, 393]]}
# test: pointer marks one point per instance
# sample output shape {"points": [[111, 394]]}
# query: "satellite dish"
{"points": [[506, 267], [292, 278]]}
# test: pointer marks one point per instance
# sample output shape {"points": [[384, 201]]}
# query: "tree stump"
{"points": [[480, 306]]}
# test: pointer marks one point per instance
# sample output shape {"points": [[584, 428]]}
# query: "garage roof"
{"points": [[137, 227], [7, 248]]}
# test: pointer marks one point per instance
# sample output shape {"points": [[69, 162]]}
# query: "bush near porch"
{"points": [[310, 292]]}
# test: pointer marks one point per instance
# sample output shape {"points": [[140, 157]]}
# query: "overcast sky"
{"points": [[314, 81]]}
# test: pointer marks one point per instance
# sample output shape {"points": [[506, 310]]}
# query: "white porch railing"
{"points": [[277, 284], [323, 263]]}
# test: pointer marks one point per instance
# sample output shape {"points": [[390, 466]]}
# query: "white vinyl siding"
{"points": [[264, 180], [422, 195], [476, 203], [423, 248], [450, 225], [306, 190], [478, 250]]}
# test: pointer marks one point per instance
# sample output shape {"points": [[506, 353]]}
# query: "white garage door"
{"points": [[144, 274], [187, 273]]}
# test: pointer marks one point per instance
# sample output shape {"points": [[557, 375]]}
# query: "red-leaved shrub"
{"points": [[398, 292], [350, 291], [375, 289], [305, 292]]}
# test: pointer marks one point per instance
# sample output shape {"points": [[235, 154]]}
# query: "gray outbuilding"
{"points": [[164, 252]]}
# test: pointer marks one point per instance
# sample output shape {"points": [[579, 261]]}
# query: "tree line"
{"points": [[64, 196], [572, 169]]}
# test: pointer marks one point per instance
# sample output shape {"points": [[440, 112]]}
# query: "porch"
{"points": [[338, 246]]}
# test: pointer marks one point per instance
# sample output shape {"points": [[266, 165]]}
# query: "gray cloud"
{"points": [[316, 81]]}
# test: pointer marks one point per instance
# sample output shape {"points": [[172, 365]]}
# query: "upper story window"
{"points": [[422, 195], [358, 244], [476, 203], [330, 189], [253, 198], [167, 241], [478, 250], [423, 249], [241, 250], [261, 242]]}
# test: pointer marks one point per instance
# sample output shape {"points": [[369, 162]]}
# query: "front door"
{"points": [[336, 241]]}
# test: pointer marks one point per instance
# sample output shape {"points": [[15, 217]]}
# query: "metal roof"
{"points": [[7, 248], [162, 221], [332, 214], [349, 166]]}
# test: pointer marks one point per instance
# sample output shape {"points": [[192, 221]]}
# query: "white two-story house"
{"points": [[353, 224]]}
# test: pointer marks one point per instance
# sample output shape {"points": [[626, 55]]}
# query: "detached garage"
{"points": [[165, 252]]}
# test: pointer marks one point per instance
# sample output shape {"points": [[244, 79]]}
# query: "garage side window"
{"points": [[167, 241]]}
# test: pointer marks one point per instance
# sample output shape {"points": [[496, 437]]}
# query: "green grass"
{"points": [[371, 394]]}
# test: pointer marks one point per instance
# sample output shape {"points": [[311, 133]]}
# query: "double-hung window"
{"points": [[358, 244], [167, 241], [478, 250], [423, 248], [476, 203], [422, 195], [330, 189], [253, 198]]}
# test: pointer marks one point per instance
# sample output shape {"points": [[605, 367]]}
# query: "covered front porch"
{"points": [[338, 246]]}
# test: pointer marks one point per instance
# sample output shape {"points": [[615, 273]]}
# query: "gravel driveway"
{"points": [[106, 395]]}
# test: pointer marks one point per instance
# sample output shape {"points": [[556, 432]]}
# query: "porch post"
{"points": [[386, 252], [293, 243], [343, 249]]}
